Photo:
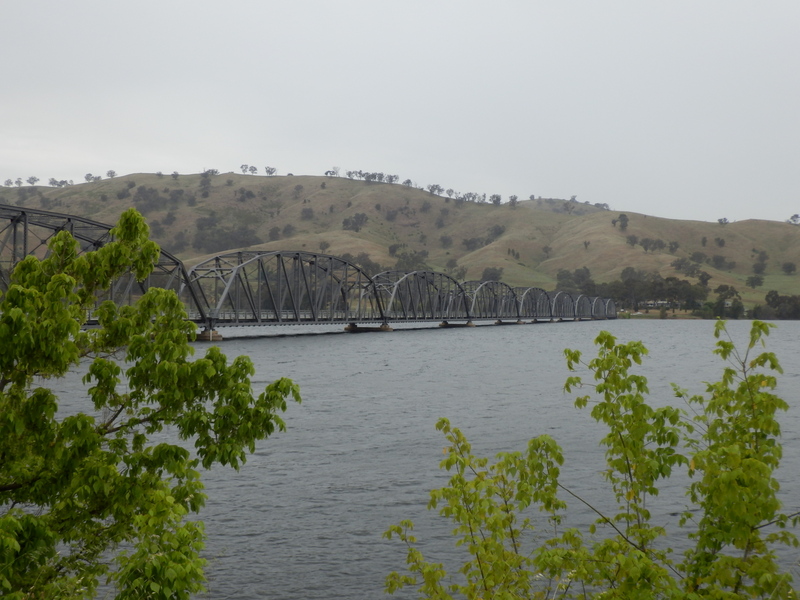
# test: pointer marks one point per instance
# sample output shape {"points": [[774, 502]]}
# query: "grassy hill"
{"points": [[196, 216]]}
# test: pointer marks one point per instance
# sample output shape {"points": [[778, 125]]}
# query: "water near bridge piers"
{"points": [[303, 518]]}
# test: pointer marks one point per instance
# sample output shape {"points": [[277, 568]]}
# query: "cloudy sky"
{"points": [[682, 109]]}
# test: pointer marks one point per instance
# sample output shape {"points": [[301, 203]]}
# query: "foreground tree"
{"points": [[729, 447], [100, 494]]}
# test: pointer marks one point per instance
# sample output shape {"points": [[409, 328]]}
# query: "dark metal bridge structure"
{"points": [[255, 288]]}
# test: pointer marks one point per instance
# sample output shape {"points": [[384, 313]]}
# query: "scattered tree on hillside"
{"points": [[578, 281], [754, 281], [111, 173], [356, 222], [720, 242], [698, 257], [723, 221], [495, 199], [632, 240], [270, 171], [546, 250], [244, 168], [435, 188], [473, 243], [495, 231], [174, 175], [9, 182], [673, 247], [513, 200], [32, 180], [412, 261], [761, 261], [88, 177], [623, 221], [323, 245], [789, 268], [492, 274]]}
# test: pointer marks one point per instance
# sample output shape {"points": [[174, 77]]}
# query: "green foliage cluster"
{"points": [[492, 274], [213, 236], [356, 222], [95, 496], [364, 261], [779, 307], [727, 443], [412, 260]]}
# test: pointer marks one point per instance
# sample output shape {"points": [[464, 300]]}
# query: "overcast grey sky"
{"points": [[682, 109]]}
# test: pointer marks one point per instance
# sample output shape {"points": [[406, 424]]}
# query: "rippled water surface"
{"points": [[303, 518]]}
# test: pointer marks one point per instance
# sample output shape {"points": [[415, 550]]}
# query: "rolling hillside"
{"points": [[195, 216]]}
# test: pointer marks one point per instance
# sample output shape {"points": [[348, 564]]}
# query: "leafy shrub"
{"points": [[728, 445]]}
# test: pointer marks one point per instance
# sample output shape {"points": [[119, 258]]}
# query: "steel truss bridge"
{"points": [[250, 288]]}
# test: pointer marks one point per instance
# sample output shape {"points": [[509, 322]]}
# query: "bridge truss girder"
{"points": [[492, 300], [421, 296], [534, 303], [27, 232], [563, 305], [259, 287]]}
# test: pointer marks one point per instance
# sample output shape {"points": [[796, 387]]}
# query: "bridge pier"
{"points": [[517, 322], [209, 335], [354, 328], [447, 324]]}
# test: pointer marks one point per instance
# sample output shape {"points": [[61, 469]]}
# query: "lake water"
{"points": [[303, 518]]}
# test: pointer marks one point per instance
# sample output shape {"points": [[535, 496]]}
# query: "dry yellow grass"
{"points": [[583, 237]]}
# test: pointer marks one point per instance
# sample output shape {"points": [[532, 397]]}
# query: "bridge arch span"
{"points": [[534, 303], [255, 287], [27, 231], [492, 300], [563, 306], [421, 296], [583, 308]]}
